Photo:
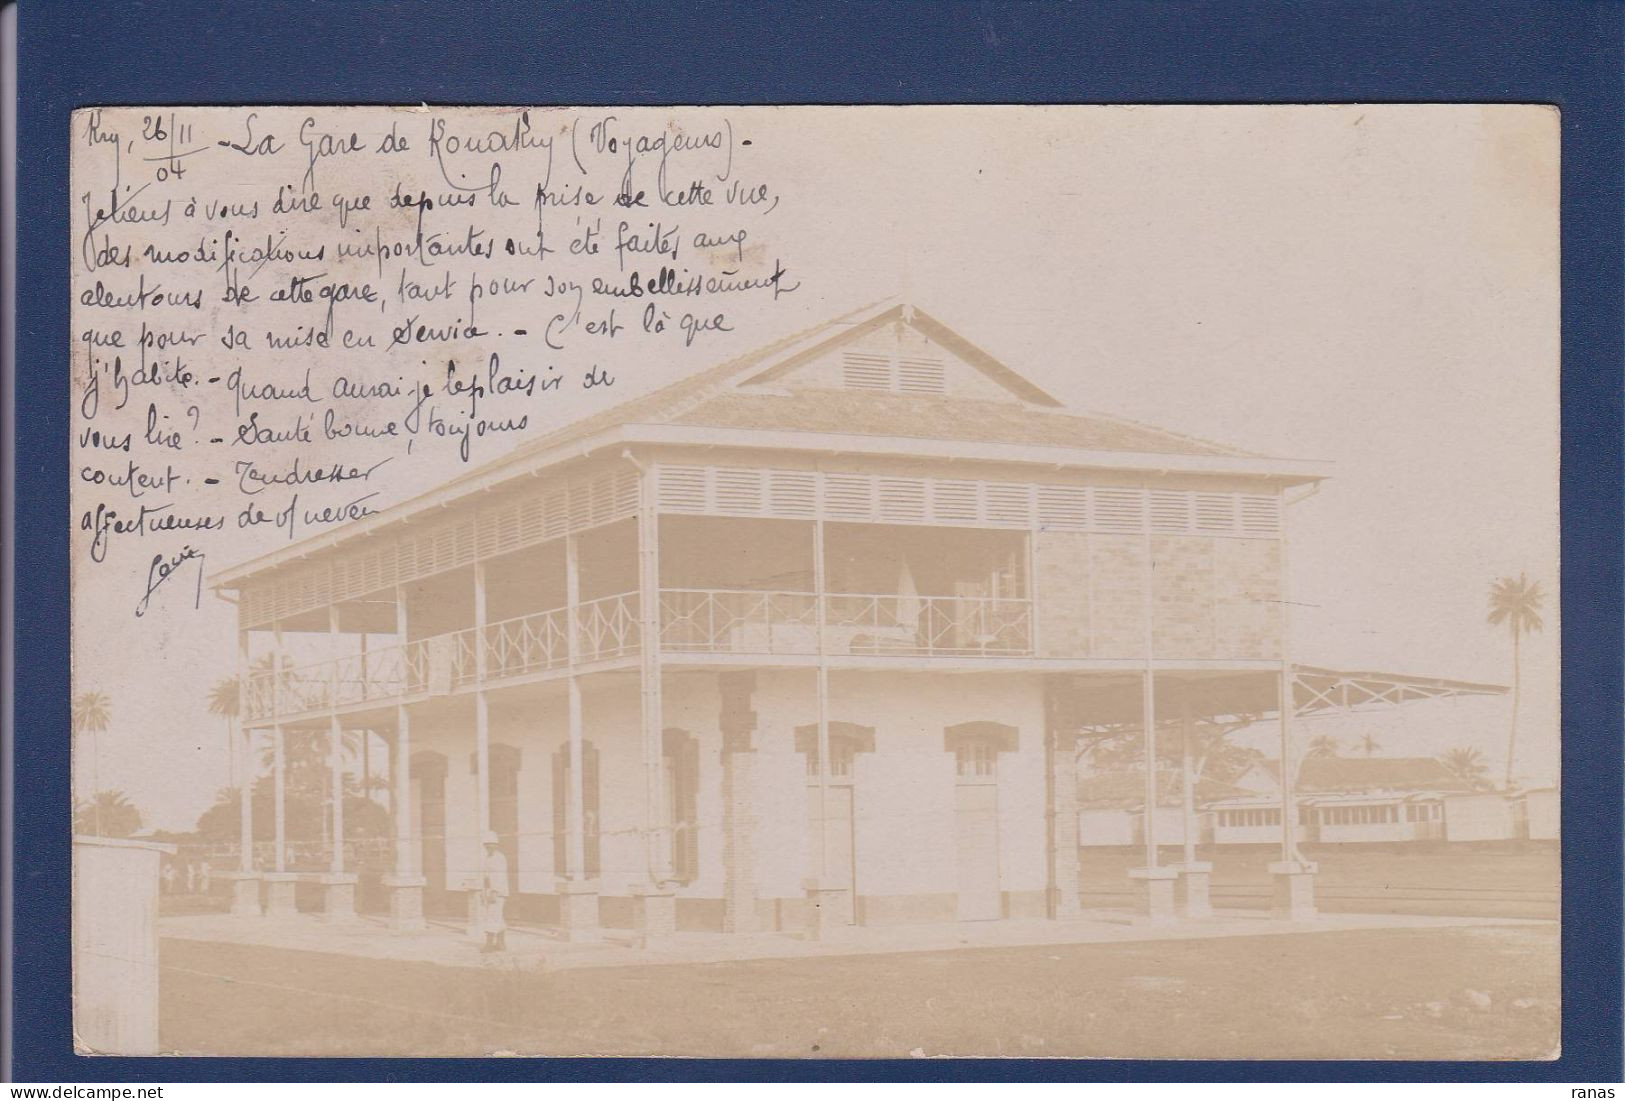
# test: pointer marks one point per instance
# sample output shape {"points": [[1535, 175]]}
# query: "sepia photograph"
{"points": [[816, 582]]}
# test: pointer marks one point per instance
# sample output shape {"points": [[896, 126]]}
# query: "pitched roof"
{"points": [[1356, 774], [730, 396], [922, 416], [738, 395]]}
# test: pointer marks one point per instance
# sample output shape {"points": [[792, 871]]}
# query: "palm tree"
{"points": [[107, 814], [1517, 604], [1324, 745], [1467, 764], [1368, 743], [225, 700], [92, 715]]}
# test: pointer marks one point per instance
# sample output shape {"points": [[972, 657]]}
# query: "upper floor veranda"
{"points": [[875, 490], [719, 558]]}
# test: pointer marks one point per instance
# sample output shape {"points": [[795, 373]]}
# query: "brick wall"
{"points": [[1116, 580], [1182, 608], [1213, 597], [1247, 588], [1061, 563]]}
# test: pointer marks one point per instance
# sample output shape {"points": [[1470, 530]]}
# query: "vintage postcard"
{"points": [[800, 582]]}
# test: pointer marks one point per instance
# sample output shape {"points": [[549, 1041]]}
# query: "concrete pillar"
{"points": [[405, 885], [245, 893], [1066, 888], [1195, 893], [826, 910], [280, 899], [338, 897], [246, 770], [279, 785], [405, 903], [1154, 894], [578, 910], [473, 912], [482, 713], [335, 736], [656, 824], [738, 726], [654, 913], [1294, 889], [575, 795]]}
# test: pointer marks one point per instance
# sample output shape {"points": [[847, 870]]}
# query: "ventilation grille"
{"points": [[907, 374], [921, 376], [867, 498], [861, 371]]}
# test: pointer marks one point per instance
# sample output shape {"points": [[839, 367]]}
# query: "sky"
{"points": [[1376, 286]]}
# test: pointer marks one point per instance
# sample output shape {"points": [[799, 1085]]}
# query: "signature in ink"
{"points": [[163, 568]]}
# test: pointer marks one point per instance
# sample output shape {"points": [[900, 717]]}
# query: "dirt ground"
{"points": [[1491, 880], [1407, 994]]}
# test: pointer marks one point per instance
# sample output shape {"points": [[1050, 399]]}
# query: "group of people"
{"points": [[181, 875]]}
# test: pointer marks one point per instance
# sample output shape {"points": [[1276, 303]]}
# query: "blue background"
{"points": [[196, 51]]}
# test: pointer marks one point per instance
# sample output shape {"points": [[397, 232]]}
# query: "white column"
{"points": [[402, 798], [279, 754], [482, 711], [1187, 732], [1148, 704], [1287, 703], [575, 848], [575, 856], [335, 743], [245, 771], [405, 864], [657, 832], [821, 690]]}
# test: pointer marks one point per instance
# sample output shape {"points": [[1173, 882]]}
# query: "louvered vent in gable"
{"points": [[866, 371], [920, 375]]}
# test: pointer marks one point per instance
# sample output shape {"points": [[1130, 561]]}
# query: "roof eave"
{"points": [[1288, 471]]}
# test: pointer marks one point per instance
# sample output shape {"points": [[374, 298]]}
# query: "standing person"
{"points": [[494, 888], [205, 874]]}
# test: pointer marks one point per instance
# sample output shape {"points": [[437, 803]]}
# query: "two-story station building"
{"points": [[801, 641]]}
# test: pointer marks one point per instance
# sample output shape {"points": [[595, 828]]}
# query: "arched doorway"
{"points": [[976, 747], [831, 813]]}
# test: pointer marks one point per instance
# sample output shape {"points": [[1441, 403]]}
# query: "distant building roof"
{"points": [[1126, 790], [1357, 774]]}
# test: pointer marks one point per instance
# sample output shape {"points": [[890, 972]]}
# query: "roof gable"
{"points": [[901, 350]]}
